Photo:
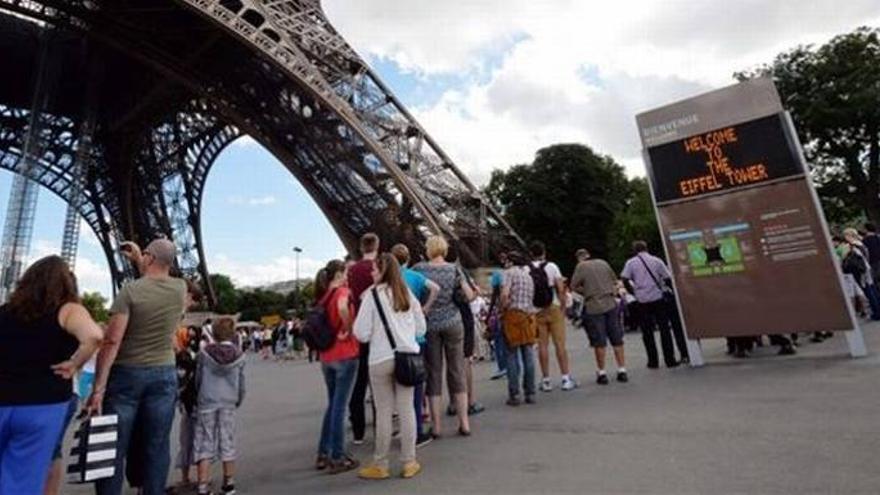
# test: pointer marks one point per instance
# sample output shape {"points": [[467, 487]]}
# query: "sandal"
{"points": [[322, 462], [475, 408], [345, 464]]}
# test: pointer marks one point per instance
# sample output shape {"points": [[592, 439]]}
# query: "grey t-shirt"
{"points": [[444, 313], [154, 307]]}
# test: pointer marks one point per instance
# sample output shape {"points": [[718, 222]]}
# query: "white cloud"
{"points": [[278, 269], [91, 275], [576, 71], [254, 201], [87, 235], [427, 36], [245, 142]]}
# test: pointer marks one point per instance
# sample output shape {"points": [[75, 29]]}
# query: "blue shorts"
{"points": [[603, 328], [28, 435]]}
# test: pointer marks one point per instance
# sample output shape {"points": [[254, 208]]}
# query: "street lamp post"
{"points": [[296, 250]]}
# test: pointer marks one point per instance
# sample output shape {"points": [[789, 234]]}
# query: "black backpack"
{"points": [[317, 330], [543, 292]]}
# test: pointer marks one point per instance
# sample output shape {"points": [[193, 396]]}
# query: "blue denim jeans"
{"points": [[873, 296], [339, 377], [526, 369], [28, 435], [500, 346], [148, 393]]}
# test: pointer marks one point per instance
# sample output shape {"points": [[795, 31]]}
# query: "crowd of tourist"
{"points": [[395, 328]]}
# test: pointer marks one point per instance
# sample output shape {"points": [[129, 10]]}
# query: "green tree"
{"points": [[227, 295], [833, 93], [257, 303], [300, 300], [637, 220], [567, 198], [96, 304]]}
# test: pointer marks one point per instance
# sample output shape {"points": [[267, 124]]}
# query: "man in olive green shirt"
{"points": [[153, 306], [597, 283], [135, 375]]}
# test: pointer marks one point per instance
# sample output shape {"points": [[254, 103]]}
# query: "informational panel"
{"points": [[746, 241]]}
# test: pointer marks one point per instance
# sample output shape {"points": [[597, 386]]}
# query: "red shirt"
{"points": [[348, 347], [360, 278]]}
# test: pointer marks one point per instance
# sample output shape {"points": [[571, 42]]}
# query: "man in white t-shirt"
{"points": [[551, 321]]}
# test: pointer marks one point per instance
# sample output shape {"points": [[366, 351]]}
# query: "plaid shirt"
{"points": [[521, 290]]}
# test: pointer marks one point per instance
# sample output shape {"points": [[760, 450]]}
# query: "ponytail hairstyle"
{"points": [[325, 276], [389, 270]]}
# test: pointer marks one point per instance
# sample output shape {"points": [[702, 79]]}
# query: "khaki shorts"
{"points": [[551, 323], [215, 435]]}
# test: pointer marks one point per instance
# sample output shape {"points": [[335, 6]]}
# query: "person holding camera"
{"points": [[135, 375]]}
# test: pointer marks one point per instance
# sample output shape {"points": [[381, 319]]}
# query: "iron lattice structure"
{"points": [[151, 91]]}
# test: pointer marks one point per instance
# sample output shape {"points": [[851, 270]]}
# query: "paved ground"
{"points": [[802, 424]]}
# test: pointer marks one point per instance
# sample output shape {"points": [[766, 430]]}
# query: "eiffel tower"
{"points": [[147, 93]]}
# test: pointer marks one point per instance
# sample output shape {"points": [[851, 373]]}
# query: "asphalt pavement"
{"points": [[802, 424]]}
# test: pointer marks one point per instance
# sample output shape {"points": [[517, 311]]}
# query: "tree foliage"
{"points": [[635, 221], [254, 304], [833, 93], [96, 304], [300, 300], [227, 295], [567, 198]]}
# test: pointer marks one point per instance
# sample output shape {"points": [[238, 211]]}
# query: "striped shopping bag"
{"points": [[93, 456]]}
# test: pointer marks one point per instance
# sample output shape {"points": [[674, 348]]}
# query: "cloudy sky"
{"points": [[492, 81]]}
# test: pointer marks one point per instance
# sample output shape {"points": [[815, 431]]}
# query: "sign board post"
{"points": [[745, 236]]}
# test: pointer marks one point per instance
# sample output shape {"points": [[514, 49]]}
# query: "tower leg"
{"points": [[19, 225]]}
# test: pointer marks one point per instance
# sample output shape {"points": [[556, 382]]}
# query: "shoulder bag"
{"points": [[668, 295], [93, 455], [409, 367]]}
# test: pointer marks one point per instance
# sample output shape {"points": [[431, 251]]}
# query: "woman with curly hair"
{"points": [[46, 335]]}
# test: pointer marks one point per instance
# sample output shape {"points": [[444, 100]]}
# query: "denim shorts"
{"points": [[603, 328]]}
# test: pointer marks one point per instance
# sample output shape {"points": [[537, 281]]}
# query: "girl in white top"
{"points": [[406, 321]]}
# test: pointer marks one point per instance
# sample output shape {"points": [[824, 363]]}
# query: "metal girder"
{"points": [[182, 79], [289, 30]]}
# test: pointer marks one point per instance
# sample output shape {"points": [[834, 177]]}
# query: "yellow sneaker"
{"points": [[411, 469], [374, 472]]}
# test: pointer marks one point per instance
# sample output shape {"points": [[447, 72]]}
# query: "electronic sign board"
{"points": [[746, 241], [724, 159]]}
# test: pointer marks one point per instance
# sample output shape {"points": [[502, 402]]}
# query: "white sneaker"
{"points": [[567, 384], [546, 385]]}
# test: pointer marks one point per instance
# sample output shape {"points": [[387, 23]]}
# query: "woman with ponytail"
{"points": [[339, 365], [389, 299]]}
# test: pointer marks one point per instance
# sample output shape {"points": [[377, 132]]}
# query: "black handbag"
{"points": [[409, 367], [458, 296]]}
